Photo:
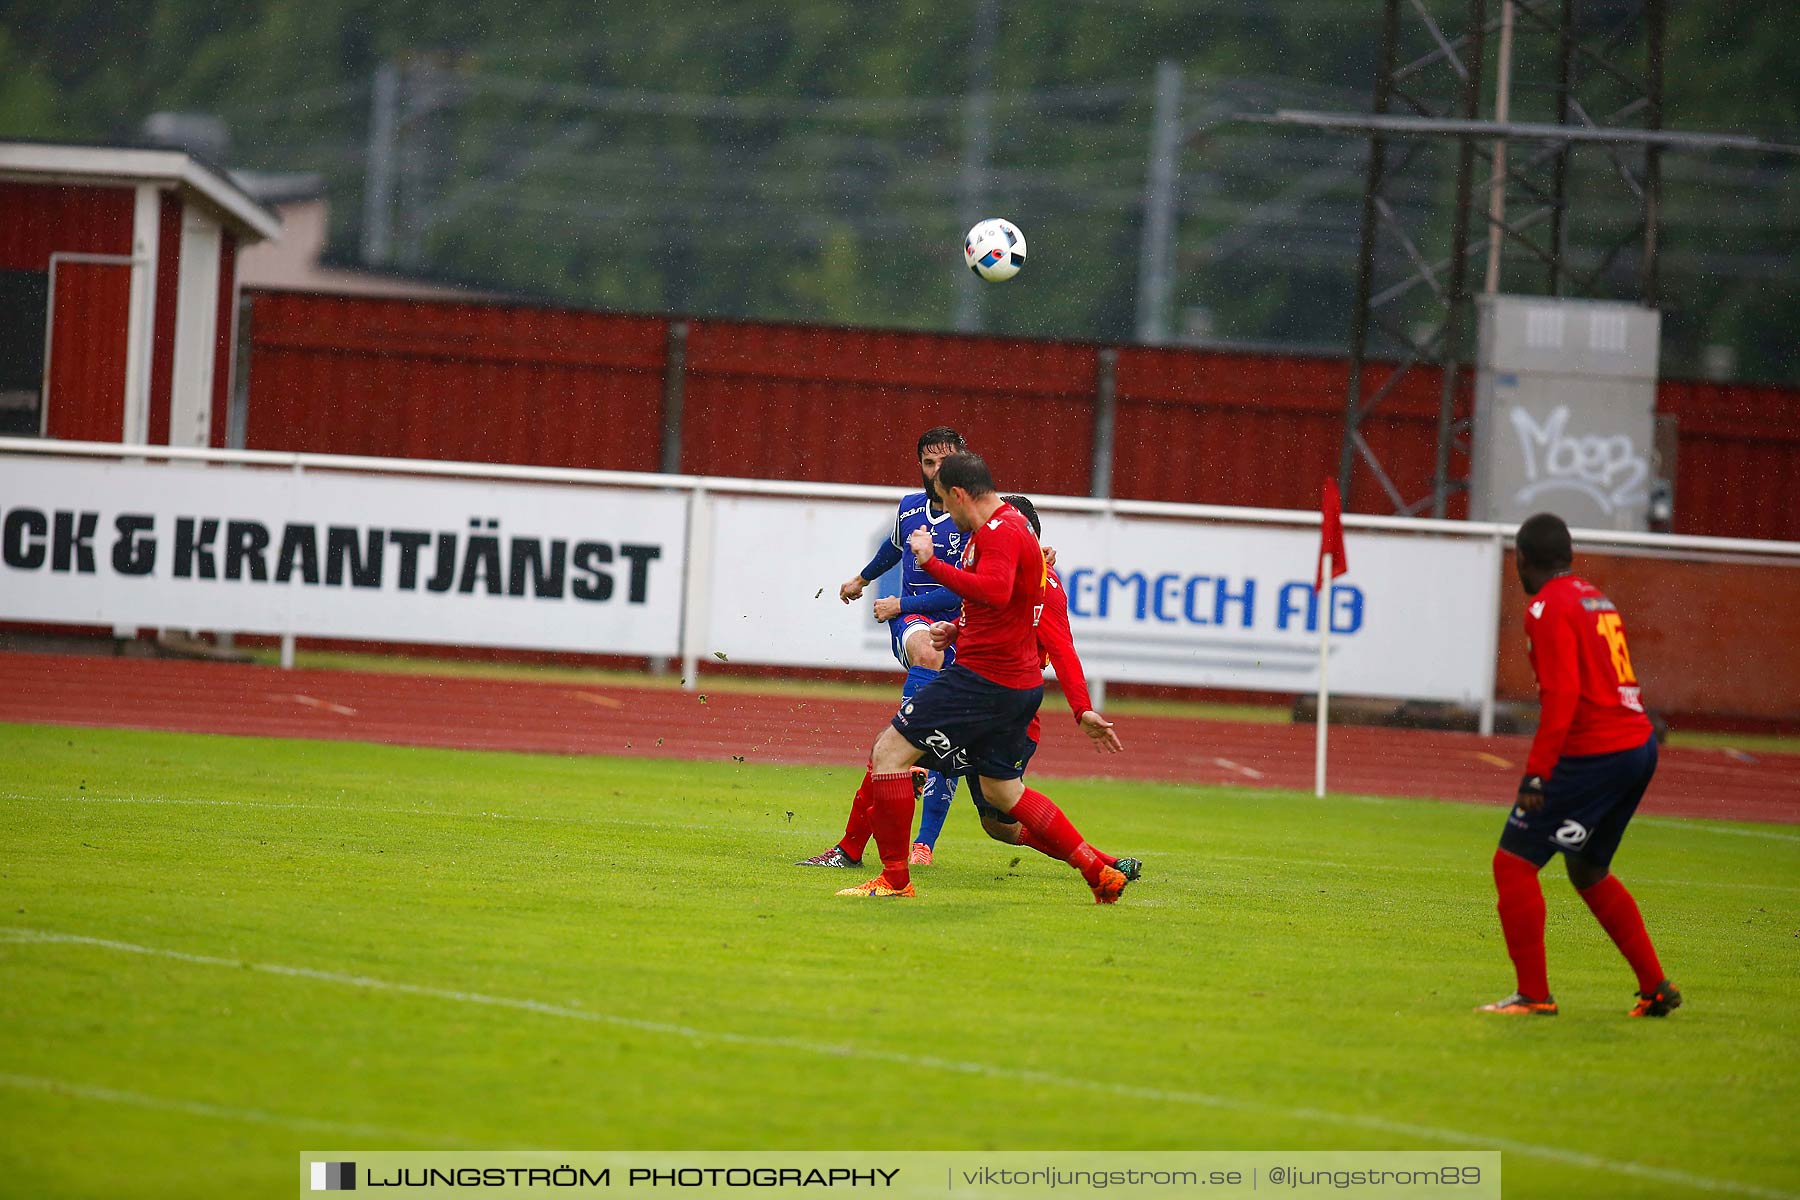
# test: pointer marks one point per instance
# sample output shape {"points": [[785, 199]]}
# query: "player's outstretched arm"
{"points": [[1098, 728], [884, 561], [931, 603]]}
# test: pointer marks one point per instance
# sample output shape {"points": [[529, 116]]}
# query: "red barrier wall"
{"points": [[466, 382], [1737, 461], [846, 405], [1718, 638], [1262, 430], [514, 383]]}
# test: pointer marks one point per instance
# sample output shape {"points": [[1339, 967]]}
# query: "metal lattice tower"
{"points": [[1587, 76]]}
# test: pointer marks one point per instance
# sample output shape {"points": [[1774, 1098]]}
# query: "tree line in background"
{"points": [[811, 160]]}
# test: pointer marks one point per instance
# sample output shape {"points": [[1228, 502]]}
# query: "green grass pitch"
{"points": [[216, 952]]}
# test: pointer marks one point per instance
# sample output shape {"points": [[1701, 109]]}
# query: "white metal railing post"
{"points": [[1324, 713], [1492, 657], [696, 614], [287, 639], [1097, 686]]}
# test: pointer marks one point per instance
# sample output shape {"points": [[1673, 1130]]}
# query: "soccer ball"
{"points": [[994, 249]]}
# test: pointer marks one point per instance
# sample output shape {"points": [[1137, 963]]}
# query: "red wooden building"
{"points": [[118, 292]]}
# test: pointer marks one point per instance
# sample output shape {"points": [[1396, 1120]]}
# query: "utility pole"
{"points": [[378, 168], [978, 137], [424, 87], [1156, 248], [1497, 186]]}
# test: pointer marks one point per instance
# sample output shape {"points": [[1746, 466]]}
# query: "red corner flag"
{"points": [[1331, 535]]}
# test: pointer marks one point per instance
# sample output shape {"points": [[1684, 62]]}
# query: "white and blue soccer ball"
{"points": [[995, 249]]}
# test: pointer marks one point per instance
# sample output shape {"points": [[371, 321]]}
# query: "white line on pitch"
{"points": [[844, 1050], [1705, 825], [342, 710], [197, 1108], [1246, 772]]}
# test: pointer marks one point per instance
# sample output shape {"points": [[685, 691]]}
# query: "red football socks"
{"points": [[1522, 921], [1618, 914], [891, 814], [1025, 839], [859, 827], [1050, 832]]}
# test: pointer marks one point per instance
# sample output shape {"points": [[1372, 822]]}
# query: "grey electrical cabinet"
{"points": [[1565, 408]]}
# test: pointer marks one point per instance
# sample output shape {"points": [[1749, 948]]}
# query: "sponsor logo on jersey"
{"points": [[1631, 697], [994, 524], [1537, 610], [1598, 604]]}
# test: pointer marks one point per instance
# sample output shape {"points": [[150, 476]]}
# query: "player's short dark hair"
{"points": [[941, 435], [968, 472], [1029, 511], [1544, 542]]}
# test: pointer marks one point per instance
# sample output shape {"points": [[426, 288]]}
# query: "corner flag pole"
{"points": [[1332, 563], [1324, 685]]}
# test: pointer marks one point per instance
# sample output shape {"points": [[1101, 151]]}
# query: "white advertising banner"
{"points": [[1233, 606], [1150, 601], [605, 570], [776, 567], [323, 554]]}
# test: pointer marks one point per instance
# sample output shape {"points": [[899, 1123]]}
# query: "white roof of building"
{"points": [[41, 162]]}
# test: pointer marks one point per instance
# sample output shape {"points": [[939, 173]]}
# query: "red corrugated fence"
{"points": [[525, 384]]}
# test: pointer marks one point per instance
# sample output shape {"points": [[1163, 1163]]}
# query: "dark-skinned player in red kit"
{"points": [[1590, 762]]}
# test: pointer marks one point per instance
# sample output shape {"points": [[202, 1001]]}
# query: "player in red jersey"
{"points": [[1592, 758], [975, 716], [1056, 646]]}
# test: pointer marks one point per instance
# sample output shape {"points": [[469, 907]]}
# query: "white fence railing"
{"points": [[665, 565]]}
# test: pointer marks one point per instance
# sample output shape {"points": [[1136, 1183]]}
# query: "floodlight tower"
{"points": [[1593, 73], [1595, 77]]}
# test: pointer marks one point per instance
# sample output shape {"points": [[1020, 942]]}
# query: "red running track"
{"points": [[567, 718]]}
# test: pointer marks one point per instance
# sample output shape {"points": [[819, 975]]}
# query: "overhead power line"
{"points": [[761, 108]]}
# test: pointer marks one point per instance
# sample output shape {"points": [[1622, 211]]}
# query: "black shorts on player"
{"points": [[970, 725], [1588, 801]]}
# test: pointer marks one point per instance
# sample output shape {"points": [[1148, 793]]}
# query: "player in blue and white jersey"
{"points": [[909, 617]]}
